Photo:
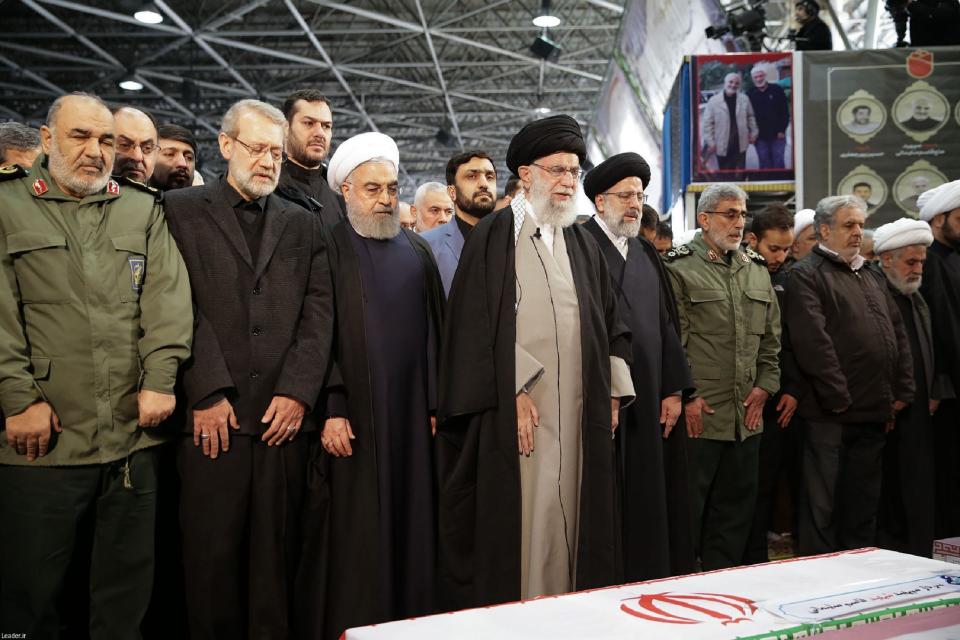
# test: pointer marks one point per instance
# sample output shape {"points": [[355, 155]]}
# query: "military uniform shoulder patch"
{"points": [[12, 172], [677, 252], [156, 193], [756, 257]]}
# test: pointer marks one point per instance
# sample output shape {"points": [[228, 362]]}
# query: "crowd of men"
{"points": [[337, 411]]}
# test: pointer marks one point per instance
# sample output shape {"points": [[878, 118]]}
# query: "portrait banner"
{"points": [[743, 120], [883, 125]]}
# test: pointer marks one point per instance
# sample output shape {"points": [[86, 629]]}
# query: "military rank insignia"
{"points": [[39, 187], [138, 266], [113, 188]]}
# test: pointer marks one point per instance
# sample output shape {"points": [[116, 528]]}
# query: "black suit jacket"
{"points": [[261, 329]]}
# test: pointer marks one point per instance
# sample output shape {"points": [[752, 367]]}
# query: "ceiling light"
{"points": [[129, 84], [546, 19], [543, 110], [148, 14]]}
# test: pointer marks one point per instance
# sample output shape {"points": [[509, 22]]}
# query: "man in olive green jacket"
{"points": [[95, 319], [730, 323]]}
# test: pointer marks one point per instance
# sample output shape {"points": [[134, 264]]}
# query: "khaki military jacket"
{"points": [[730, 324], [94, 306]]}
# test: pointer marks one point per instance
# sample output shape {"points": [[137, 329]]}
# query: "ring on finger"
{"points": [[205, 436]]}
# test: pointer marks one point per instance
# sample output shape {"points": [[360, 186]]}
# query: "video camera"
{"points": [[746, 20]]}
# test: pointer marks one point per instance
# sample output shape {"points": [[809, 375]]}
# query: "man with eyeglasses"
{"points": [[136, 135], [303, 176], [532, 378], [852, 349], [370, 534], [264, 324], [730, 323], [651, 452], [472, 185]]}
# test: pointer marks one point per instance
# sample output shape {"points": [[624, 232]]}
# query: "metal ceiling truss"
{"points": [[437, 75]]}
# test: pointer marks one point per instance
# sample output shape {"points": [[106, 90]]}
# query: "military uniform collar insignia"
{"points": [[40, 187]]}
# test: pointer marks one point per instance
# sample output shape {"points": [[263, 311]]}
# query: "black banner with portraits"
{"points": [[743, 117], [883, 125]]}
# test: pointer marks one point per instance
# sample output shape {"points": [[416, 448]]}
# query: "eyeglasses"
{"points": [[257, 151], [373, 190], [626, 197], [730, 215], [125, 145], [557, 172]]}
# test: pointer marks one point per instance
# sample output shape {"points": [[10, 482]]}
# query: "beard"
{"points": [[129, 168], [63, 173], [254, 189], [621, 227], [302, 155], [722, 241], [559, 214], [176, 179], [474, 207], [382, 223], [903, 285], [951, 235]]}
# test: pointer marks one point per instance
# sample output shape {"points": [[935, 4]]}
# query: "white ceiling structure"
{"points": [[409, 68]]}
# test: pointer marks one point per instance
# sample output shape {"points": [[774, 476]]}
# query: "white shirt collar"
{"points": [[855, 264], [620, 242]]}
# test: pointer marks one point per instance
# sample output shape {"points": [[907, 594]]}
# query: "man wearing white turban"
{"points": [[906, 515], [940, 208], [804, 235], [369, 536]]}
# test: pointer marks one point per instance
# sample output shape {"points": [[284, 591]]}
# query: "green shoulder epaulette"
{"points": [[756, 257], [12, 172], [156, 193], [677, 252]]}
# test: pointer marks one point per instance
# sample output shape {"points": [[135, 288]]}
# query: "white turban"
{"points": [[354, 151], [938, 200], [802, 220], [904, 232]]}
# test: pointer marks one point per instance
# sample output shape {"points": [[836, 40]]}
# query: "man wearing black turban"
{"points": [[651, 452], [533, 371]]}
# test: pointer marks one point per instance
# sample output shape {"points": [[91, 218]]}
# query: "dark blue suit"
{"points": [[446, 242]]}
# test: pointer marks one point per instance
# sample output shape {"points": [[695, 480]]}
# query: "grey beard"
{"points": [[376, 226], [547, 212], [904, 287], [60, 171], [624, 229]]}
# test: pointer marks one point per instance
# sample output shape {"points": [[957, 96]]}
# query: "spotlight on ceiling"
{"points": [[545, 49], [543, 110], [148, 14], [131, 84], [546, 19]]}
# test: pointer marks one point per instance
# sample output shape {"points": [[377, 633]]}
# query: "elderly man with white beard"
{"points": [[906, 518], [533, 375], [371, 488], [264, 322]]}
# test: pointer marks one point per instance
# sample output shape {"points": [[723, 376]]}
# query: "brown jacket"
{"points": [[848, 339]]}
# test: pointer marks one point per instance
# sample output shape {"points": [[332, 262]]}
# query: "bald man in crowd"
{"points": [[136, 144]]}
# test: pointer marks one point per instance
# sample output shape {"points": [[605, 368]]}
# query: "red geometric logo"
{"points": [[113, 188], [690, 608], [920, 63]]}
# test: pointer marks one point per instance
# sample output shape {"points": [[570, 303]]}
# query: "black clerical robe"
{"points": [[309, 189], [906, 515], [941, 291], [656, 509], [476, 445], [370, 518]]}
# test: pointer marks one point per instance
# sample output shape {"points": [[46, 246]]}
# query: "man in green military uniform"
{"points": [[95, 319], [730, 323]]}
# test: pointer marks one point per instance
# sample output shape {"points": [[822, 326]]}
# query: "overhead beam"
{"points": [[443, 83], [111, 15], [82, 39], [177, 105], [210, 51], [26, 73]]}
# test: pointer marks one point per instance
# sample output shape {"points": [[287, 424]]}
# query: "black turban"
{"points": [[543, 138], [613, 170]]}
